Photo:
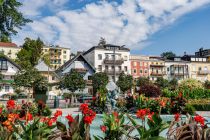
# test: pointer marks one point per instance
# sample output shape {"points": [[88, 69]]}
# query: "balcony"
{"points": [[157, 65], [112, 61], [88, 82], [111, 72], [203, 72], [158, 73], [80, 70], [179, 73]]}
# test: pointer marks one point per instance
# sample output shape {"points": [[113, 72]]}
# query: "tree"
{"points": [[102, 42], [99, 80], [142, 81], [30, 53], [30, 79], [73, 81], [168, 55], [161, 82], [125, 82], [173, 83], [11, 18], [5, 38]]}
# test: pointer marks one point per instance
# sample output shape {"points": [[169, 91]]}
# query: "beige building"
{"points": [[58, 55], [156, 68], [9, 49]]}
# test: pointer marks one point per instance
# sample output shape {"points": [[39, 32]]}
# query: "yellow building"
{"points": [[156, 68], [9, 49], [58, 55]]}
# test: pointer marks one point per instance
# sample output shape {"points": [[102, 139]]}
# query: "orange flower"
{"points": [[141, 113], [29, 117], [150, 116], [162, 103]]}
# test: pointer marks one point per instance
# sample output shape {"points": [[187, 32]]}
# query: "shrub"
{"points": [[189, 109], [190, 84], [200, 104], [141, 81], [161, 82], [150, 90], [207, 84]]}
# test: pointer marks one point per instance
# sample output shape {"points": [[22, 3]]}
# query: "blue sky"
{"points": [[145, 26]]}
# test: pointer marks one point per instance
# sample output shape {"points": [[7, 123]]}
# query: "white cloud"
{"points": [[129, 23]]}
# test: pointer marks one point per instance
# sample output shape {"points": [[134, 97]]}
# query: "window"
{"points": [[100, 67], [134, 71], [119, 67], [126, 68], [6, 88], [140, 63], [168, 69], [89, 77], [145, 71], [125, 57], [106, 67], [53, 77], [112, 67], [64, 57], [99, 56], [64, 52], [3, 65], [141, 71], [199, 68]]}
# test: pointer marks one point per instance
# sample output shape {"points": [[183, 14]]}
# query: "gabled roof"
{"points": [[10, 60], [73, 59], [42, 67], [8, 44]]}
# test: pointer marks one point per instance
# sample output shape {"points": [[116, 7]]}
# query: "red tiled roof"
{"points": [[7, 44]]}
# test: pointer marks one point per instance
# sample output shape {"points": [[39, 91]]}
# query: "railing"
{"points": [[112, 61], [157, 65], [158, 73], [111, 72], [179, 73], [82, 70]]}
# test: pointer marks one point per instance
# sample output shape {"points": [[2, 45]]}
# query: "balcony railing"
{"points": [[88, 82], [157, 65], [203, 72], [179, 73], [112, 61], [80, 70], [111, 72], [158, 73]]}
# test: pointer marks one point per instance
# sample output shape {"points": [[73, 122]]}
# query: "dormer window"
{"points": [[3, 64]]}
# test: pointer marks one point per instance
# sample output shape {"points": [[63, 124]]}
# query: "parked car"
{"points": [[85, 98]]}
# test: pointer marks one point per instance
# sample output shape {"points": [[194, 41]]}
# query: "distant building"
{"points": [[58, 55], [203, 53], [81, 65], [9, 49], [177, 68], [111, 59], [50, 76], [8, 69], [139, 66], [156, 68]]}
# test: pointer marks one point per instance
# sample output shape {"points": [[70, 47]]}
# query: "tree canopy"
{"points": [[99, 80], [125, 82], [11, 18], [161, 82], [73, 81], [168, 54], [142, 81], [30, 53]]}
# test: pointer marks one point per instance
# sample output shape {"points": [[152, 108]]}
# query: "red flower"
{"points": [[84, 107], [70, 118], [180, 95], [58, 113], [103, 128], [11, 104], [23, 101], [141, 113], [199, 119], [176, 117], [150, 116], [115, 114], [88, 119], [1, 110], [29, 117], [93, 98]]}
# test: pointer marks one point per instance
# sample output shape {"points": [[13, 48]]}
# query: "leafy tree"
{"points": [[30, 53], [10, 18], [142, 81], [5, 38], [161, 82], [102, 42], [73, 81], [168, 55], [99, 80], [173, 83], [125, 82], [30, 79]]}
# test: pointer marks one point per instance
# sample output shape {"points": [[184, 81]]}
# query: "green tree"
{"points": [[30, 79], [125, 82], [5, 38], [99, 80], [161, 82], [142, 81], [11, 18], [73, 81], [168, 55], [30, 53], [173, 83]]}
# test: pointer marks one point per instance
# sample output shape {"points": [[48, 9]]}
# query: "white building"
{"points": [[8, 69], [9, 49], [109, 58], [177, 68]]}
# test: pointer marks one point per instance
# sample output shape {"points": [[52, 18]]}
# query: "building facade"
{"points": [[156, 68], [139, 66], [8, 69], [81, 65], [9, 49], [58, 55], [110, 59]]}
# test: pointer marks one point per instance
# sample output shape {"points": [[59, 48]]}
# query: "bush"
{"points": [[190, 84], [150, 90], [207, 84], [161, 82], [142, 81], [200, 104], [189, 109]]}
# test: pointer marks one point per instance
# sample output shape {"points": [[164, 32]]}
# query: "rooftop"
{"points": [[8, 44]]}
